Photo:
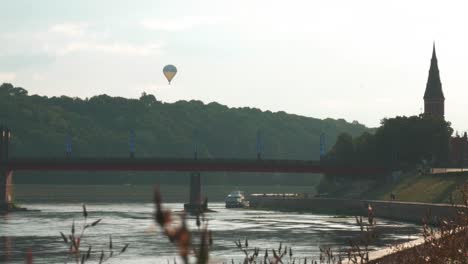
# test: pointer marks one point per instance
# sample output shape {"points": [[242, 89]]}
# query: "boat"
{"points": [[236, 199]]}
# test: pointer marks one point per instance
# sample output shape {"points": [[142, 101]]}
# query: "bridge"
{"points": [[9, 164]]}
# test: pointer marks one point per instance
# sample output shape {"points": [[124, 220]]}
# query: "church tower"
{"points": [[434, 97]]}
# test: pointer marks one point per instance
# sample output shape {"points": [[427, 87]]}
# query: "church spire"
{"points": [[433, 96], [434, 86]]}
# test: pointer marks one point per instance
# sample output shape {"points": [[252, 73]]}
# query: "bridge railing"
{"points": [[163, 160], [185, 164]]}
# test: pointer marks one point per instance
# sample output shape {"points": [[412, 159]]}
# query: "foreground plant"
{"points": [[285, 255], [175, 228], [75, 240], [357, 253]]}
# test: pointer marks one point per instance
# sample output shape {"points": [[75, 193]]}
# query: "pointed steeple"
{"points": [[433, 96], [434, 86]]}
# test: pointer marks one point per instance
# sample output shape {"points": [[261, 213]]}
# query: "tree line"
{"points": [[401, 142]]}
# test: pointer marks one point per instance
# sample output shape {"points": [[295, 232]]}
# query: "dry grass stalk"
{"points": [[74, 242]]}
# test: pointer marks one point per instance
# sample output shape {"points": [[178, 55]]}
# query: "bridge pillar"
{"points": [[195, 204], [195, 188], [2, 142], [6, 175], [6, 190]]}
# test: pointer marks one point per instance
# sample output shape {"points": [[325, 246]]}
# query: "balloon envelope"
{"points": [[169, 71]]}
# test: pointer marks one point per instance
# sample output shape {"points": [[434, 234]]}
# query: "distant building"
{"points": [[434, 106], [433, 96], [459, 150]]}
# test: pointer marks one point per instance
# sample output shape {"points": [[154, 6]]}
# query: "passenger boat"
{"points": [[236, 199]]}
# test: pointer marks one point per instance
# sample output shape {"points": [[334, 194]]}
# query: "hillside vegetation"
{"points": [[410, 145], [100, 126]]}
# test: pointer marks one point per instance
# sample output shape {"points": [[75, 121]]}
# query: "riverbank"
{"points": [[407, 187], [401, 211], [60, 193], [431, 188], [9, 208]]}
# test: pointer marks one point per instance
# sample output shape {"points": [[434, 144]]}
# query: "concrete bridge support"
{"points": [[195, 205], [6, 190], [195, 188]]}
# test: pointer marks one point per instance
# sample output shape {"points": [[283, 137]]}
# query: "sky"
{"points": [[357, 60]]}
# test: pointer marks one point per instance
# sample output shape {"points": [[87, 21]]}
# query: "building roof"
{"points": [[434, 86]]}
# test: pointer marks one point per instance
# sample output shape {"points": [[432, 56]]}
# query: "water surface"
{"points": [[133, 223]]}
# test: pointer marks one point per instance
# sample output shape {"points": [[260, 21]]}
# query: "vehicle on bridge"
{"points": [[236, 199]]}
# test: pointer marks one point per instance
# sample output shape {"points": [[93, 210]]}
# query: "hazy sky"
{"points": [[358, 60]]}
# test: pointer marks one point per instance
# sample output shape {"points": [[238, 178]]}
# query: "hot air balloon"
{"points": [[169, 71]]}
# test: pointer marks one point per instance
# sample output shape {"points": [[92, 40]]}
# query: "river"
{"points": [[132, 222]]}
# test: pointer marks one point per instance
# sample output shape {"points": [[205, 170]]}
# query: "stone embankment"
{"points": [[401, 211]]}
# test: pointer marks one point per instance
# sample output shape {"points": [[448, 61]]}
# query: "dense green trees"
{"points": [[100, 126], [400, 142]]}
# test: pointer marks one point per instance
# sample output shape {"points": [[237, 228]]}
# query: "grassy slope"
{"points": [[422, 188], [409, 187]]}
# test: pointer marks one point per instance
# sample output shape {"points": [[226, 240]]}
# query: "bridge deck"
{"points": [[180, 164]]}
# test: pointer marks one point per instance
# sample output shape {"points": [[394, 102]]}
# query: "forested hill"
{"points": [[100, 126]]}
